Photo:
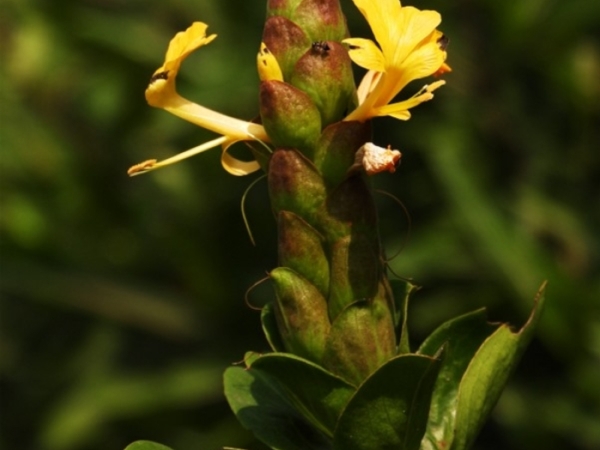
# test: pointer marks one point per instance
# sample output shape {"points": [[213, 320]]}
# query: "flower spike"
{"points": [[410, 48], [161, 93]]}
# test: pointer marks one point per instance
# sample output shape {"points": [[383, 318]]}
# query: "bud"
{"points": [[283, 8], [355, 271], [350, 209], [324, 72], [289, 116], [361, 339], [301, 249], [321, 20], [286, 41], [301, 313], [336, 149], [295, 185]]}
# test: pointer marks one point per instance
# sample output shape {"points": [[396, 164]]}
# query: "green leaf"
{"points": [[461, 338], [390, 409], [401, 291], [487, 375], [319, 395], [269, 326], [146, 445], [262, 405]]}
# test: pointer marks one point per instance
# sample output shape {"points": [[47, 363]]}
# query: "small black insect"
{"points": [[320, 48]]}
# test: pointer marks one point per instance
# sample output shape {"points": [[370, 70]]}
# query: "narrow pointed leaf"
{"points": [[461, 338], [488, 373], [269, 326], [401, 291]]}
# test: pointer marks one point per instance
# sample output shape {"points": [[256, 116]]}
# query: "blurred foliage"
{"points": [[123, 299]]}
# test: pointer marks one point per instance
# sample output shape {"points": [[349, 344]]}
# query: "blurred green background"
{"points": [[123, 299]]}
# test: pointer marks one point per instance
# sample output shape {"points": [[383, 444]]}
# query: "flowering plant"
{"points": [[342, 373]]}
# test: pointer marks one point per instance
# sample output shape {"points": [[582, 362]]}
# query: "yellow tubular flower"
{"points": [[409, 48], [161, 93]]}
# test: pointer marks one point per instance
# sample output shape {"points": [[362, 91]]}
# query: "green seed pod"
{"points": [[324, 72], [289, 116], [301, 313]]}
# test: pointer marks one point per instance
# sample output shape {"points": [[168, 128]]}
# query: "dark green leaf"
{"points": [[319, 395], [390, 409], [269, 326], [261, 405]]}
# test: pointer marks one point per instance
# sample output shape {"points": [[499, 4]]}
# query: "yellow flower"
{"points": [[161, 93], [410, 48]]}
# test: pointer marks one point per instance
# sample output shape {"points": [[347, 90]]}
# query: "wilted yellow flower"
{"points": [[374, 159], [161, 93], [410, 47]]}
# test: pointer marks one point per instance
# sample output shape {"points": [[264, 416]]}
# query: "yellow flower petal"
{"points": [[219, 123], [367, 85], [410, 47], [184, 43], [162, 84], [421, 63], [382, 16], [424, 61], [236, 166], [365, 53], [400, 115], [400, 110], [415, 25]]}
